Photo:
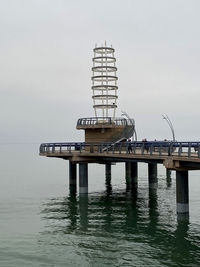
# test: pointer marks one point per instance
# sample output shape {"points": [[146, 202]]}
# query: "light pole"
{"points": [[132, 122], [165, 117]]}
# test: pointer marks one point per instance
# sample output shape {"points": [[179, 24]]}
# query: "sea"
{"points": [[43, 224]]}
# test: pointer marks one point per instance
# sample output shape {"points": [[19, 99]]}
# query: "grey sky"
{"points": [[46, 58]]}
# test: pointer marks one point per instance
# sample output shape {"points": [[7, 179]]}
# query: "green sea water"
{"points": [[42, 224]]}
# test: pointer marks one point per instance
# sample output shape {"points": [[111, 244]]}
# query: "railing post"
{"points": [[169, 149], [160, 150], [106, 148], [180, 149], [151, 149], [142, 149], [189, 151], [91, 149], [134, 148], [120, 148], [127, 148], [113, 149], [101, 148]]}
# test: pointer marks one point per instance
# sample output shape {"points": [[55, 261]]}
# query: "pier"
{"points": [[110, 139], [181, 157]]}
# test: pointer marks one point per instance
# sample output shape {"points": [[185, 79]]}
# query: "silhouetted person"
{"points": [[129, 146]]}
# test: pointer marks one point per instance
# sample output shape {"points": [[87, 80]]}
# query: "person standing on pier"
{"points": [[129, 146], [146, 147]]}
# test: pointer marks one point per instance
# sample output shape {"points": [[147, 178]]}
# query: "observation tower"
{"points": [[104, 82], [105, 126]]}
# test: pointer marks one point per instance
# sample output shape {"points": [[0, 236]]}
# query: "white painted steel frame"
{"points": [[104, 82]]}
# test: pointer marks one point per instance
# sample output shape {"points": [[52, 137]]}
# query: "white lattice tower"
{"points": [[104, 82]]}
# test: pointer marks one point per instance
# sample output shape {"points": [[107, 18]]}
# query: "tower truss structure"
{"points": [[104, 82]]}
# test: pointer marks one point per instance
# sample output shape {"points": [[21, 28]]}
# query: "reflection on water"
{"points": [[120, 228]]}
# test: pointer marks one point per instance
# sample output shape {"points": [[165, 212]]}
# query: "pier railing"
{"points": [[181, 149]]}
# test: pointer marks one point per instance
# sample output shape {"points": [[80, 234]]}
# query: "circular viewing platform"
{"points": [[103, 122]]}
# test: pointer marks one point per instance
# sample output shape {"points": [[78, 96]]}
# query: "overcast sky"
{"points": [[46, 49]]}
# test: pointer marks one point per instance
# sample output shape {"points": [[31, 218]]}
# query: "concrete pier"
{"points": [[182, 192], [83, 178], [83, 210], [108, 172], [72, 177], [131, 169], [152, 175], [128, 174], [169, 178], [134, 174]]}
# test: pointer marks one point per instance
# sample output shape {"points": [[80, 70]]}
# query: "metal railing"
{"points": [[180, 149], [104, 120]]}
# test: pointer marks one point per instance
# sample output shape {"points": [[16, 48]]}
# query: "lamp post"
{"points": [[132, 122], [165, 117]]}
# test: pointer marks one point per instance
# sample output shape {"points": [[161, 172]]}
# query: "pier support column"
{"points": [[182, 192], [83, 178], [168, 175], [152, 173], [134, 175], [128, 174], [108, 178], [108, 172], [72, 177], [83, 210], [131, 174]]}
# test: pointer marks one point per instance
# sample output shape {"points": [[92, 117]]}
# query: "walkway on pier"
{"points": [[174, 155]]}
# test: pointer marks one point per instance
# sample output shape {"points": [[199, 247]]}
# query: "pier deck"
{"points": [[174, 156]]}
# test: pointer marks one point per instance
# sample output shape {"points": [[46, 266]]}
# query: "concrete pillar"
{"points": [[134, 174], [83, 178], [108, 178], [169, 178], [152, 173], [131, 169], [182, 192], [83, 211], [128, 174], [108, 172], [72, 177]]}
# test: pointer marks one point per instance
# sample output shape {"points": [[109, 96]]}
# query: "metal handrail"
{"points": [[160, 148], [104, 120]]}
